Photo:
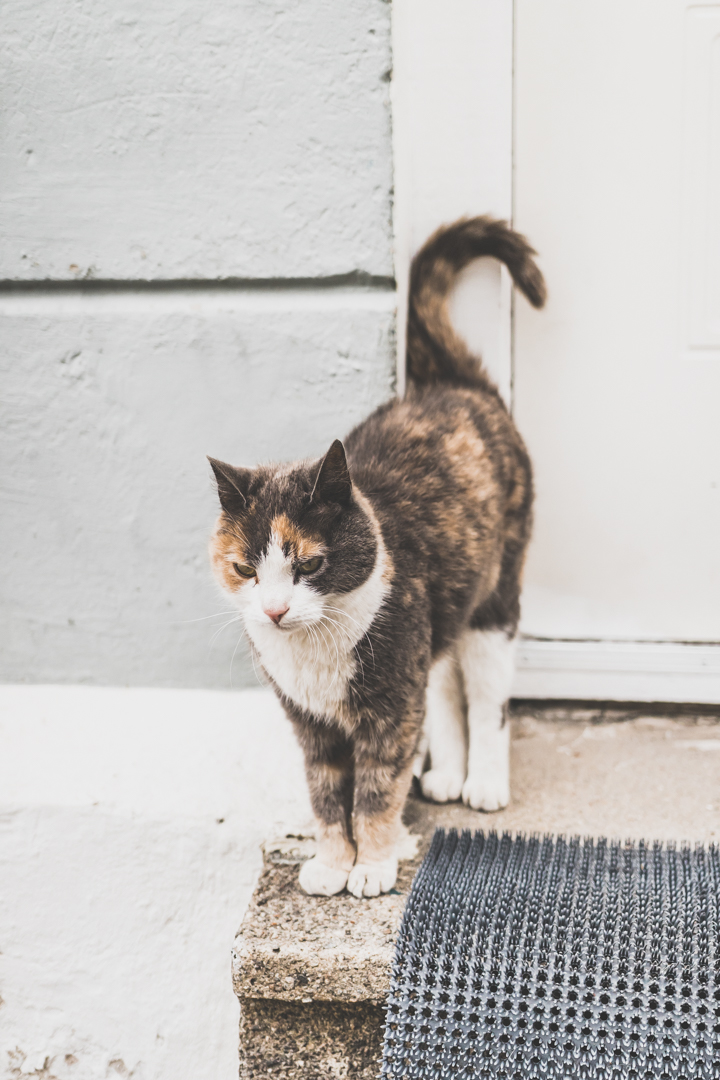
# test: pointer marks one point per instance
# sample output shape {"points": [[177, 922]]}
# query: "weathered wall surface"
{"points": [[210, 167], [110, 410], [232, 139], [130, 831], [195, 206]]}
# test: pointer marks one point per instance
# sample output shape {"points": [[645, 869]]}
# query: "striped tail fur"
{"points": [[435, 353]]}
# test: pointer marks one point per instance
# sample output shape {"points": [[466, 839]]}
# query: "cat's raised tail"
{"points": [[435, 353]]}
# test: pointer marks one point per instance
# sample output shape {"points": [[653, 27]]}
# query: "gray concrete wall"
{"points": [[196, 205]]}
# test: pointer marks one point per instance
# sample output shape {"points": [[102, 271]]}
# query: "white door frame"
{"points": [[452, 146], [452, 99]]}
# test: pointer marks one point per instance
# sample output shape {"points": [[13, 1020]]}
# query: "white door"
{"points": [[616, 384]]}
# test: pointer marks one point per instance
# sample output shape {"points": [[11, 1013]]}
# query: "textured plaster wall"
{"points": [[130, 825], [109, 411], [195, 208], [210, 166], [185, 139]]}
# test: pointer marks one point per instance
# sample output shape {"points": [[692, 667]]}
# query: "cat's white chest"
{"points": [[312, 668]]}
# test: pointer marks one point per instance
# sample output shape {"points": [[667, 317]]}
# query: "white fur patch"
{"points": [[407, 845], [317, 879], [488, 782], [486, 659], [446, 731], [371, 879]]}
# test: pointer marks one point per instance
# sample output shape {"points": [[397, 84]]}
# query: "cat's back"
{"points": [[441, 442], [443, 469]]}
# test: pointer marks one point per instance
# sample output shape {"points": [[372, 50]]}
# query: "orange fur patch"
{"points": [[377, 835], [334, 848], [302, 546], [225, 549]]}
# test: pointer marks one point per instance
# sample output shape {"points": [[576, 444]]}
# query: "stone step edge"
{"points": [[297, 948]]}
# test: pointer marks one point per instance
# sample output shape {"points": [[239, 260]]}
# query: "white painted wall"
{"points": [[241, 147], [111, 403], [232, 139], [197, 258], [121, 887]]}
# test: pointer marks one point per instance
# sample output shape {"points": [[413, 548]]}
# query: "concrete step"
{"points": [[312, 973]]}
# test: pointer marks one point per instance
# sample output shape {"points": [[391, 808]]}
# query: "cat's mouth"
{"points": [[284, 626], [287, 625], [297, 626]]}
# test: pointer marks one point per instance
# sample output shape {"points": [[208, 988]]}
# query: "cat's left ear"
{"points": [[333, 483]]}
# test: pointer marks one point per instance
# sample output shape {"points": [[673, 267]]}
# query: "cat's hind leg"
{"points": [[445, 730], [487, 661]]}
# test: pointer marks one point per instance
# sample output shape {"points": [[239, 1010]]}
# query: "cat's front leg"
{"points": [[382, 782], [329, 769]]}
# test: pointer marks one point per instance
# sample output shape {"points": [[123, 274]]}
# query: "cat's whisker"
{"points": [[204, 617], [312, 634], [353, 645], [337, 653], [321, 643], [334, 622], [221, 628], [354, 648], [252, 660], [339, 611], [232, 658], [322, 631], [312, 639], [364, 632], [343, 630], [243, 634]]}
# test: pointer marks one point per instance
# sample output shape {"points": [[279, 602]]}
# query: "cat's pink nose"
{"points": [[276, 613]]}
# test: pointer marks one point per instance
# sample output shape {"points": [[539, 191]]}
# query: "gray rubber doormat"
{"points": [[545, 957]]}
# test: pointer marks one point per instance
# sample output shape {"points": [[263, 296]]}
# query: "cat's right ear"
{"points": [[233, 485]]}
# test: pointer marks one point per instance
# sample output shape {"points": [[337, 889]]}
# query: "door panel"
{"points": [[617, 381]]}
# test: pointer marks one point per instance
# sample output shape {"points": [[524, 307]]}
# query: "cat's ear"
{"points": [[333, 483], [233, 485]]}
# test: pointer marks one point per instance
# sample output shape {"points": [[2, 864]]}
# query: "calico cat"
{"points": [[380, 586]]}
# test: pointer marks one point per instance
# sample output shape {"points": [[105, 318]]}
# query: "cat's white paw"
{"points": [[317, 879], [371, 879], [442, 785], [407, 845], [421, 757], [487, 793]]}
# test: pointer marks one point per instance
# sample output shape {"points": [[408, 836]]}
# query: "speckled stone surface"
{"points": [[312, 973], [293, 947], [286, 1039]]}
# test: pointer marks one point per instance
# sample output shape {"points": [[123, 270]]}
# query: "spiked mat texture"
{"points": [[552, 958]]}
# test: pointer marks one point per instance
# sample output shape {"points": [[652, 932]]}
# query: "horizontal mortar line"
{"points": [[355, 279], [198, 297]]}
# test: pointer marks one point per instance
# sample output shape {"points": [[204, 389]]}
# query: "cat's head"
{"points": [[291, 540]]}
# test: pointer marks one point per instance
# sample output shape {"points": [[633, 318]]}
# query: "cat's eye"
{"points": [[244, 570], [310, 565]]}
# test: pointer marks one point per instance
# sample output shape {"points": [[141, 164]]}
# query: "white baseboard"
{"points": [[618, 671]]}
